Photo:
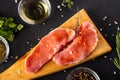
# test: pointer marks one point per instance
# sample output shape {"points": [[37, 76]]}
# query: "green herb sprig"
{"points": [[117, 60], [8, 28], [69, 3]]}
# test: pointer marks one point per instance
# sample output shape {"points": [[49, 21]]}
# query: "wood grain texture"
{"points": [[16, 71]]}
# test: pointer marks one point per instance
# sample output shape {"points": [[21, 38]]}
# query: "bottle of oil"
{"points": [[34, 11]]}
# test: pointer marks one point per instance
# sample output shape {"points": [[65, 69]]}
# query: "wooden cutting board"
{"points": [[16, 71]]}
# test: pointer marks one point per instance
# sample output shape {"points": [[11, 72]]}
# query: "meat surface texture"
{"points": [[84, 43], [47, 47]]}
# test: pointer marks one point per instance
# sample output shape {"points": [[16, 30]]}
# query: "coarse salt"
{"points": [[105, 56], [115, 22], [43, 23], [51, 29], [11, 56], [16, 57], [16, 1], [60, 9], [31, 45], [104, 18], [65, 71], [28, 42], [62, 4], [113, 34], [38, 39], [110, 59], [118, 28], [109, 24], [101, 29], [114, 72], [6, 61], [105, 35], [62, 15], [58, 6]]}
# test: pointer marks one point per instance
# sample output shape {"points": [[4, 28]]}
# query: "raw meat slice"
{"points": [[80, 48], [47, 48]]}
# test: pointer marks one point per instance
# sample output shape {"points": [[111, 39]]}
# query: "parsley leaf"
{"points": [[69, 3], [8, 28]]}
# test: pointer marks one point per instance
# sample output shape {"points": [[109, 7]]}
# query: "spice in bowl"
{"points": [[83, 76], [83, 73], [4, 49]]}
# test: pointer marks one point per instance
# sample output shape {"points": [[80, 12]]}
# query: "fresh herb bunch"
{"points": [[117, 60], [8, 27], [69, 3]]}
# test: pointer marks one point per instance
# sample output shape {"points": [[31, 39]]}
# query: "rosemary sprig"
{"points": [[117, 60], [69, 3]]}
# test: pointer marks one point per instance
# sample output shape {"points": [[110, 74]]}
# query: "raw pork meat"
{"points": [[80, 48], [47, 48]]}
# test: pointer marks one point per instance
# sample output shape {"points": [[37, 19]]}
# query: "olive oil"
{"points": [[34, 11]]}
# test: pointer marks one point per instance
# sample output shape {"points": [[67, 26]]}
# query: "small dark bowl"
{"points": [[82, 69]]}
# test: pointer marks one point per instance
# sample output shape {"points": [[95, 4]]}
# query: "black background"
{"points": [[97, 10]]}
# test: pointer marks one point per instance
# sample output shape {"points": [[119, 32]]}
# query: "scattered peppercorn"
{"points": [[83, 76]]}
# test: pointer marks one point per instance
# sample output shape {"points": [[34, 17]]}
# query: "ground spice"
{"points": [[83, 76], [2, 51]]}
